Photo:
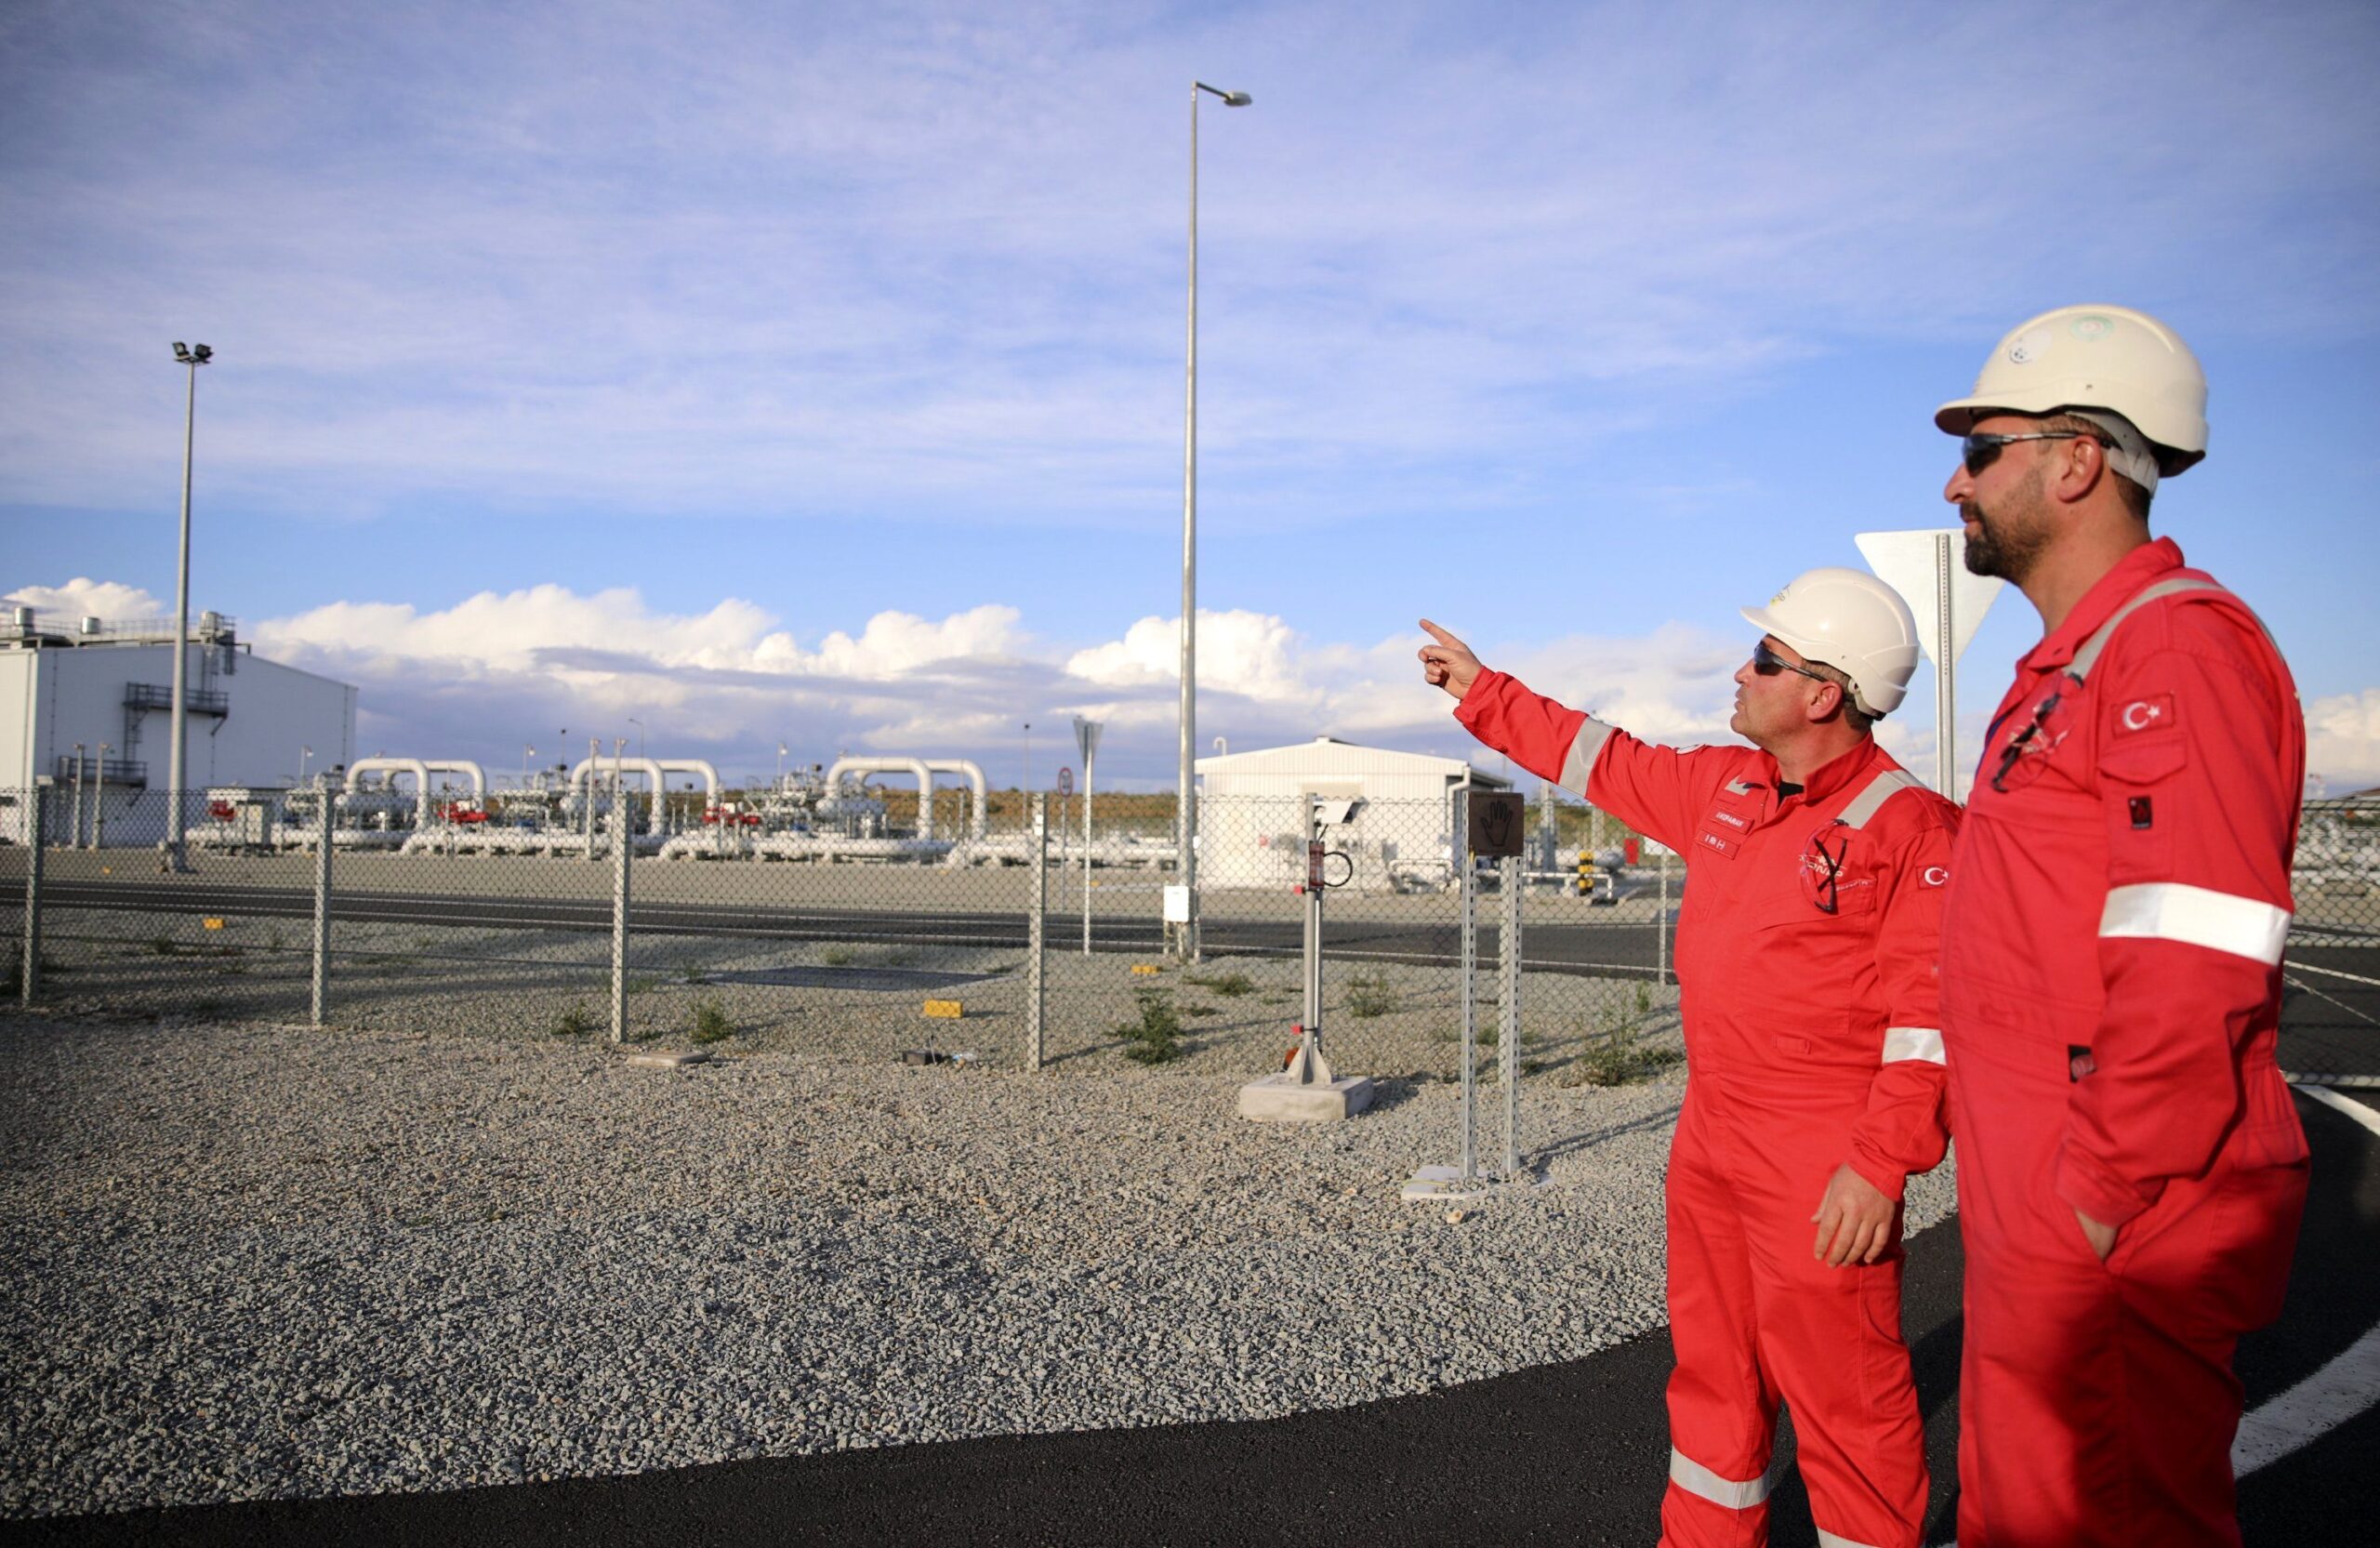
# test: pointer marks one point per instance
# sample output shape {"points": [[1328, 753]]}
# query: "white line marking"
{"points": [[2355, 1110], [2314, 1407]]}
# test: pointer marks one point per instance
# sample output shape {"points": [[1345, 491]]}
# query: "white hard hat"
{"points": [[1851, 621], [2111, 358]]}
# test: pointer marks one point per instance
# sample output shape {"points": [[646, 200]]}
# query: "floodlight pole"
{"points": [[1186, 817], [176, 858]]}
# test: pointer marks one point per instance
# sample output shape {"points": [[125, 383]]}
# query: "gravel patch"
{"points": [[248, 1262]]}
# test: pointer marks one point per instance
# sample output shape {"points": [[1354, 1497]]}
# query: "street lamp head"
{"points": [[1236, 98], [192, 355], [182, 351], [205, 352]]}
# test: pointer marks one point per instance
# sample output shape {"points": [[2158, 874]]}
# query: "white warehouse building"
{"points": [[1252, 804], [109, 687]]}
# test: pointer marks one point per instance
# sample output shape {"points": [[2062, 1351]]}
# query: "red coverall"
{"points": [[2111, 991], [1805, 958]]}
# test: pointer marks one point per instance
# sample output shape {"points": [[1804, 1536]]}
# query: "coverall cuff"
{"points": [[1883, 1177], [1474, 698], [2087, 1185]]}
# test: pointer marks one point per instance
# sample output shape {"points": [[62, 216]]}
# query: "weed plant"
{"points": [[574, 1022], [1369, 995], [1231, 985], [711, 1025], [1151, 1040]]}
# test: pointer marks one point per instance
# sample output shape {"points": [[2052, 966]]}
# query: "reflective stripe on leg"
{"points": [[1696, 1479]]}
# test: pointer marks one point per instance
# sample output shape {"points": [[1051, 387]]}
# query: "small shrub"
{"points": [[693, 974], [1201, 1010], [1231, 985], [711, 1025], [574, 1022], [1618, 1057], [639, 983], [1150, 1039], [1368, 996], [837, 956], [163, 945]]}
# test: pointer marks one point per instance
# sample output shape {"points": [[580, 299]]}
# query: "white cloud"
{"points": [[494, 671], [82, 598], [2342, 740]]}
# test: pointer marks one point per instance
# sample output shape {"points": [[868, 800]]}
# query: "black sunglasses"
{"points": [[1768, 663], [1979, 451]]}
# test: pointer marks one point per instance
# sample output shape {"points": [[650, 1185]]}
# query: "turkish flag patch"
{"points": [[2148, 712]]}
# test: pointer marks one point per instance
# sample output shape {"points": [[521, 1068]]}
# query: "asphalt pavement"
{"points": [[1570, 1454]]}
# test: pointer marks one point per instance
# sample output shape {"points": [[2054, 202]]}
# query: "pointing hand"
{"points": [[1448, 663]]}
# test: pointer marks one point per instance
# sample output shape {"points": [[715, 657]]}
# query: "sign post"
{"points": [[1928, 568]]}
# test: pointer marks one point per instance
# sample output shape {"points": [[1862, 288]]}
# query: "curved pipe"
{"points": [[893, 765], [694, 766], [464, 766], [394, 767], [977, 825], [644, 766]]}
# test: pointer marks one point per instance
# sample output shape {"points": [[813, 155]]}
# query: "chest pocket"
{"points": [[1834, 879]]}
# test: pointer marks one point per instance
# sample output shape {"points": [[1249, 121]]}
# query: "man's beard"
{"points": [[2009, 551]]}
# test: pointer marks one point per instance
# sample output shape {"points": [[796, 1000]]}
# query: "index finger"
{"points": [[1441, 636]]}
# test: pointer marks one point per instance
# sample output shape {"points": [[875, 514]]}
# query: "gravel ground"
{"points": [[1381, 1018], [250, 1261]]}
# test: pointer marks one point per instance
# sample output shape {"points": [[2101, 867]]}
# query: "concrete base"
{"points": [[1432, 1184], [668, 1061], [1279, 1099]]}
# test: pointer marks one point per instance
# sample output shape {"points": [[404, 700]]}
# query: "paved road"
{"points": [[1553, 947], [1572, 1453]]}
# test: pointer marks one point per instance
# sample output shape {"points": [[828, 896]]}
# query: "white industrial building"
{"points": [[1251, 806], [109, 686]]}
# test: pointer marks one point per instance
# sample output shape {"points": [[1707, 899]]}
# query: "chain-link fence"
{"points": [[854, 930]]}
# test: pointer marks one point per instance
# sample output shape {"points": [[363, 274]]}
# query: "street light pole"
{"points": [[193, 356], [1186, 819]]}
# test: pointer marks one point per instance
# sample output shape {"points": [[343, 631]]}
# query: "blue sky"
{"points": [[813, 373]]}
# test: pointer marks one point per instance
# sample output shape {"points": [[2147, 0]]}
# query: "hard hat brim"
{"points": [[1959, 416]]}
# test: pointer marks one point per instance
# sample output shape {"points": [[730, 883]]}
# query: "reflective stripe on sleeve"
{"points": [[1696, 1479], [1912, 1043], [1580, 762], [2194, 915]]}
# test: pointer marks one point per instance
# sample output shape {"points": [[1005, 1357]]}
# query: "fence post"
{"points": [[1036, 931], [36, 841], [1661, 925], [325, 835], [1470, 985], [623, 841], [1508, 1001]]}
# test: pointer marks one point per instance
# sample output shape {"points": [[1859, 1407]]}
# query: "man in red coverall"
{"points": [[1815, 870], [2131, 1169]]}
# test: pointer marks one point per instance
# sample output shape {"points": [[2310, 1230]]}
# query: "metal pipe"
{"points": [[462, 767], [978, 824], [393, 767], [617, 766], [916, 766]]}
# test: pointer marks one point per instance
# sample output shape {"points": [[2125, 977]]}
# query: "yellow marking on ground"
{"points": [[945, 1010]]}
